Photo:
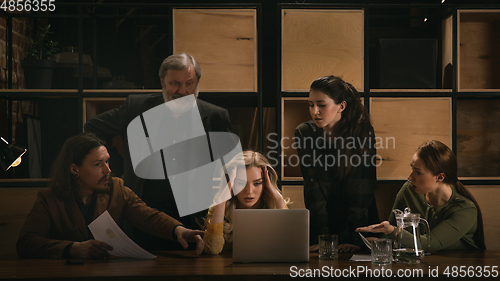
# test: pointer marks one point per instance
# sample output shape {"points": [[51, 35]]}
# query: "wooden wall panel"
{"points": [[224, 42], [487, 198], [15, 204], [96, 106], [402, 125], [294, 112], [479, 38], [316, 43], [478, 138]]}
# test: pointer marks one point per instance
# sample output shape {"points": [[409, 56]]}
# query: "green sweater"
{"points": [[452, 226]]}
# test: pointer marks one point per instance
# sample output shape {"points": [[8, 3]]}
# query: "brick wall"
{"points": [[22, 29]]}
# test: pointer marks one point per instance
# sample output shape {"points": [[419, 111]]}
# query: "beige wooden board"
{"points": [[447, 51], [402, 125], [487, 198], [15, 204], [479, 59], [224, 42], [296, 195], [316, 43], [478, 138]]}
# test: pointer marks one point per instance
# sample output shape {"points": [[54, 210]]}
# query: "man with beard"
{"points": [[179, 76], [81, 189]]}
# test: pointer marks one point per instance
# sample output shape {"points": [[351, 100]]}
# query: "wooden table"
{"points": [[184, 265]]}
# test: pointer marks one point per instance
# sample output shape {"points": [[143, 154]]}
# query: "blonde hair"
{"points": [[251, 159]]}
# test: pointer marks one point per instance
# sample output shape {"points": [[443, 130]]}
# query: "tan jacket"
{"points": [[53, 224]]}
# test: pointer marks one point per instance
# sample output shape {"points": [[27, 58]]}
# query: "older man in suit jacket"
{"points": [[179, 76]]}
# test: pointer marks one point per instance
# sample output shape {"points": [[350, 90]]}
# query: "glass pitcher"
{"points": [[407, 247]]}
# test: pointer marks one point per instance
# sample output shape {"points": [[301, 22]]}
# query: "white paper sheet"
{"points": [[105, 229], [367, 243], [358, 257]]}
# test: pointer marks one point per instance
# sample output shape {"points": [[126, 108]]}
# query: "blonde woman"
{"points": [[255, 188]]}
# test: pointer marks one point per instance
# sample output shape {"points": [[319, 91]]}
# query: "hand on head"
{"points": [[185, 235], [271, 190], [90, 249]]}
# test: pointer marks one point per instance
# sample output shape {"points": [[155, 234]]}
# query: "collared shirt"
{"points": [[87, 210]]}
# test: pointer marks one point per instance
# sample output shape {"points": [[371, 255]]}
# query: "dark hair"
{"points": [[439, 158], [62, 181], [355, 120]]}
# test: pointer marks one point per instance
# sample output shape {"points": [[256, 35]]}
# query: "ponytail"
{"points": [[480, 229]]}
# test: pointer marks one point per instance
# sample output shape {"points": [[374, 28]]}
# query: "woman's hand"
{"points": [[185, 235], [271, 191], [383, 227], [90, 249], [313, 248], [345, 248]]}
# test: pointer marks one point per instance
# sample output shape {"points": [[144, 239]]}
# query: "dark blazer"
{"points": [[114, 122], [52, 224]]}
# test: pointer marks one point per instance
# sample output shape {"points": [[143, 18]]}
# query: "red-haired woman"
{"points": [[433, 191]]}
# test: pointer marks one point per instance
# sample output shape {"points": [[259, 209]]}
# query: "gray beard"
{"points": [[167, 97]]}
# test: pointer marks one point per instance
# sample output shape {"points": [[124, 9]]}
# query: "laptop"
{"points": [[270, 235]]}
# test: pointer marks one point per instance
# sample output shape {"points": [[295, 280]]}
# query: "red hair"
{"points": [[439, 158]]}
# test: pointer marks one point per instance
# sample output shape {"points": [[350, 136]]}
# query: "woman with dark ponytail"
{"points": [[433, 191], [338, 162]]}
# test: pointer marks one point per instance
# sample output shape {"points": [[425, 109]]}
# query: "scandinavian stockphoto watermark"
{"points": [[179, 149], [314, 158]]}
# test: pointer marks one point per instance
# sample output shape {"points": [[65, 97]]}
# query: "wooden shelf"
{"points": [[73, 92], [294, 111], [478, 134]]}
